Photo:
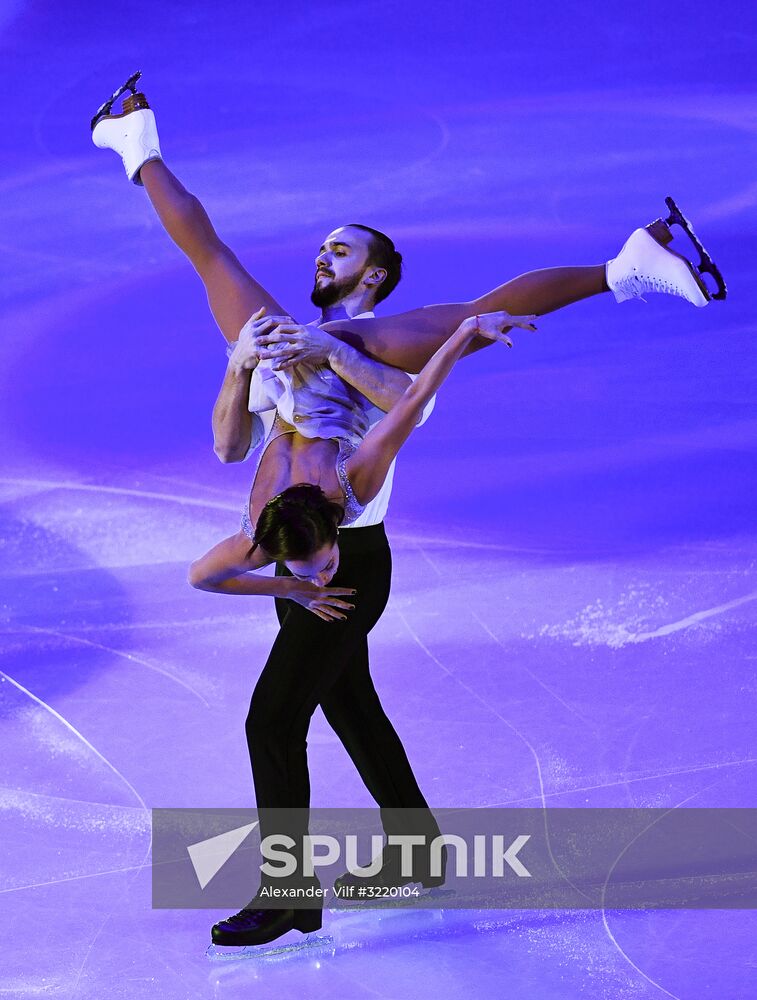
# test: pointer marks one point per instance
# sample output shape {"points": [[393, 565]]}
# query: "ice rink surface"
{"points": [[574, 593]]}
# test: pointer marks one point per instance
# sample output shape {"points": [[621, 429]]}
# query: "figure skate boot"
{"points": [[647, 264], [132, 134]]}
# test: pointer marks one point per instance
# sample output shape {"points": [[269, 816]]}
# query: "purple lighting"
{"points": [[572, 530]]}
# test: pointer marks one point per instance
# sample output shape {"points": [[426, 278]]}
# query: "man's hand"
{"points": [[322, 601], [291, 343], [247, 350], [288, 343]]}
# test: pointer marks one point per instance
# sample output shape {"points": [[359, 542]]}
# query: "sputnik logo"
{"points": [[209, 856]]}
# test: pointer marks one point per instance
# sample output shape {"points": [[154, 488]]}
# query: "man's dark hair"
{"points": [[383, 254], [297, 522]]}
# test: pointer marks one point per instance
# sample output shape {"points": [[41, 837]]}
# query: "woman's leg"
{"points": [[409, 339], [406, 340], [233, 294]]}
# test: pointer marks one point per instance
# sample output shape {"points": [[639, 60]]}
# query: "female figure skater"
{"points": [[325, 482]]}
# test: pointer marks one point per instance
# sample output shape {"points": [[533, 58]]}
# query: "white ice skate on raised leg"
{"points": [[647, 264], [132, 134]]}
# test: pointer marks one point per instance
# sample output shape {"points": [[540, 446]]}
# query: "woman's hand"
{"points": [[322, 601], [494, 326]]}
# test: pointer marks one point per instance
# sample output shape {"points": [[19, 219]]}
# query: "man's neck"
{"points": [[346, 309]]}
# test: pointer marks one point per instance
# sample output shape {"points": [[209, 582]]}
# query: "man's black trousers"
{"points": [[314, 662]]}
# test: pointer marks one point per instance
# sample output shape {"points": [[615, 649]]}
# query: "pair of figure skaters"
{"points": [[328, 407]]}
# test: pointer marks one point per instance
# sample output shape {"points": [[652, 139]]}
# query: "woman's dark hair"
{"points": [[383, 254], [297, 522]]}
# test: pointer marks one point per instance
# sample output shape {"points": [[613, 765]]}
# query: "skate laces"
{"points": [[240, 919], [636, 284]]}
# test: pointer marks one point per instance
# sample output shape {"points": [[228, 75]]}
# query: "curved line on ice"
{"points": [[114, 769], [116, 652]]}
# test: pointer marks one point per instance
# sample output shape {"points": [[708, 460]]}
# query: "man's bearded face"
{"points": [[328, 290], [340, 265]]}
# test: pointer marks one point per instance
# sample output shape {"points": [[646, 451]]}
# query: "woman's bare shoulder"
{"points": [[244, 553]]}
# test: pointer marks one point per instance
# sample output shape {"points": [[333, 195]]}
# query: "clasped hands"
{"points": [[282, 339], [289, 343]]}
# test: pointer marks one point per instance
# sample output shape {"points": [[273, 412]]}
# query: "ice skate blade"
{"points": [[660, 233], [706, 264], [236, 953], [104, 110]]}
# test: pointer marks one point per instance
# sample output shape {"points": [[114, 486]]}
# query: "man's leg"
{"points": [[352, 706], [409, 339], [307, 658], [353, 709], [233, 294]]}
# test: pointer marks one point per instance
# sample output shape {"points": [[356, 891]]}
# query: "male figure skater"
{"points": [[351, 705]]}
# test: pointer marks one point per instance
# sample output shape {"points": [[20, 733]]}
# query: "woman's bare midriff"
{"points": [[291, 458]]}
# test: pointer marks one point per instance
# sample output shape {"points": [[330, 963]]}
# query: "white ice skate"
{"points": [[133, 134], [647, 264]]}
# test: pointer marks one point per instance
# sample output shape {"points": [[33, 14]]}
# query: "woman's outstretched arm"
{"points": [[368, 467], [229, 568]]}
